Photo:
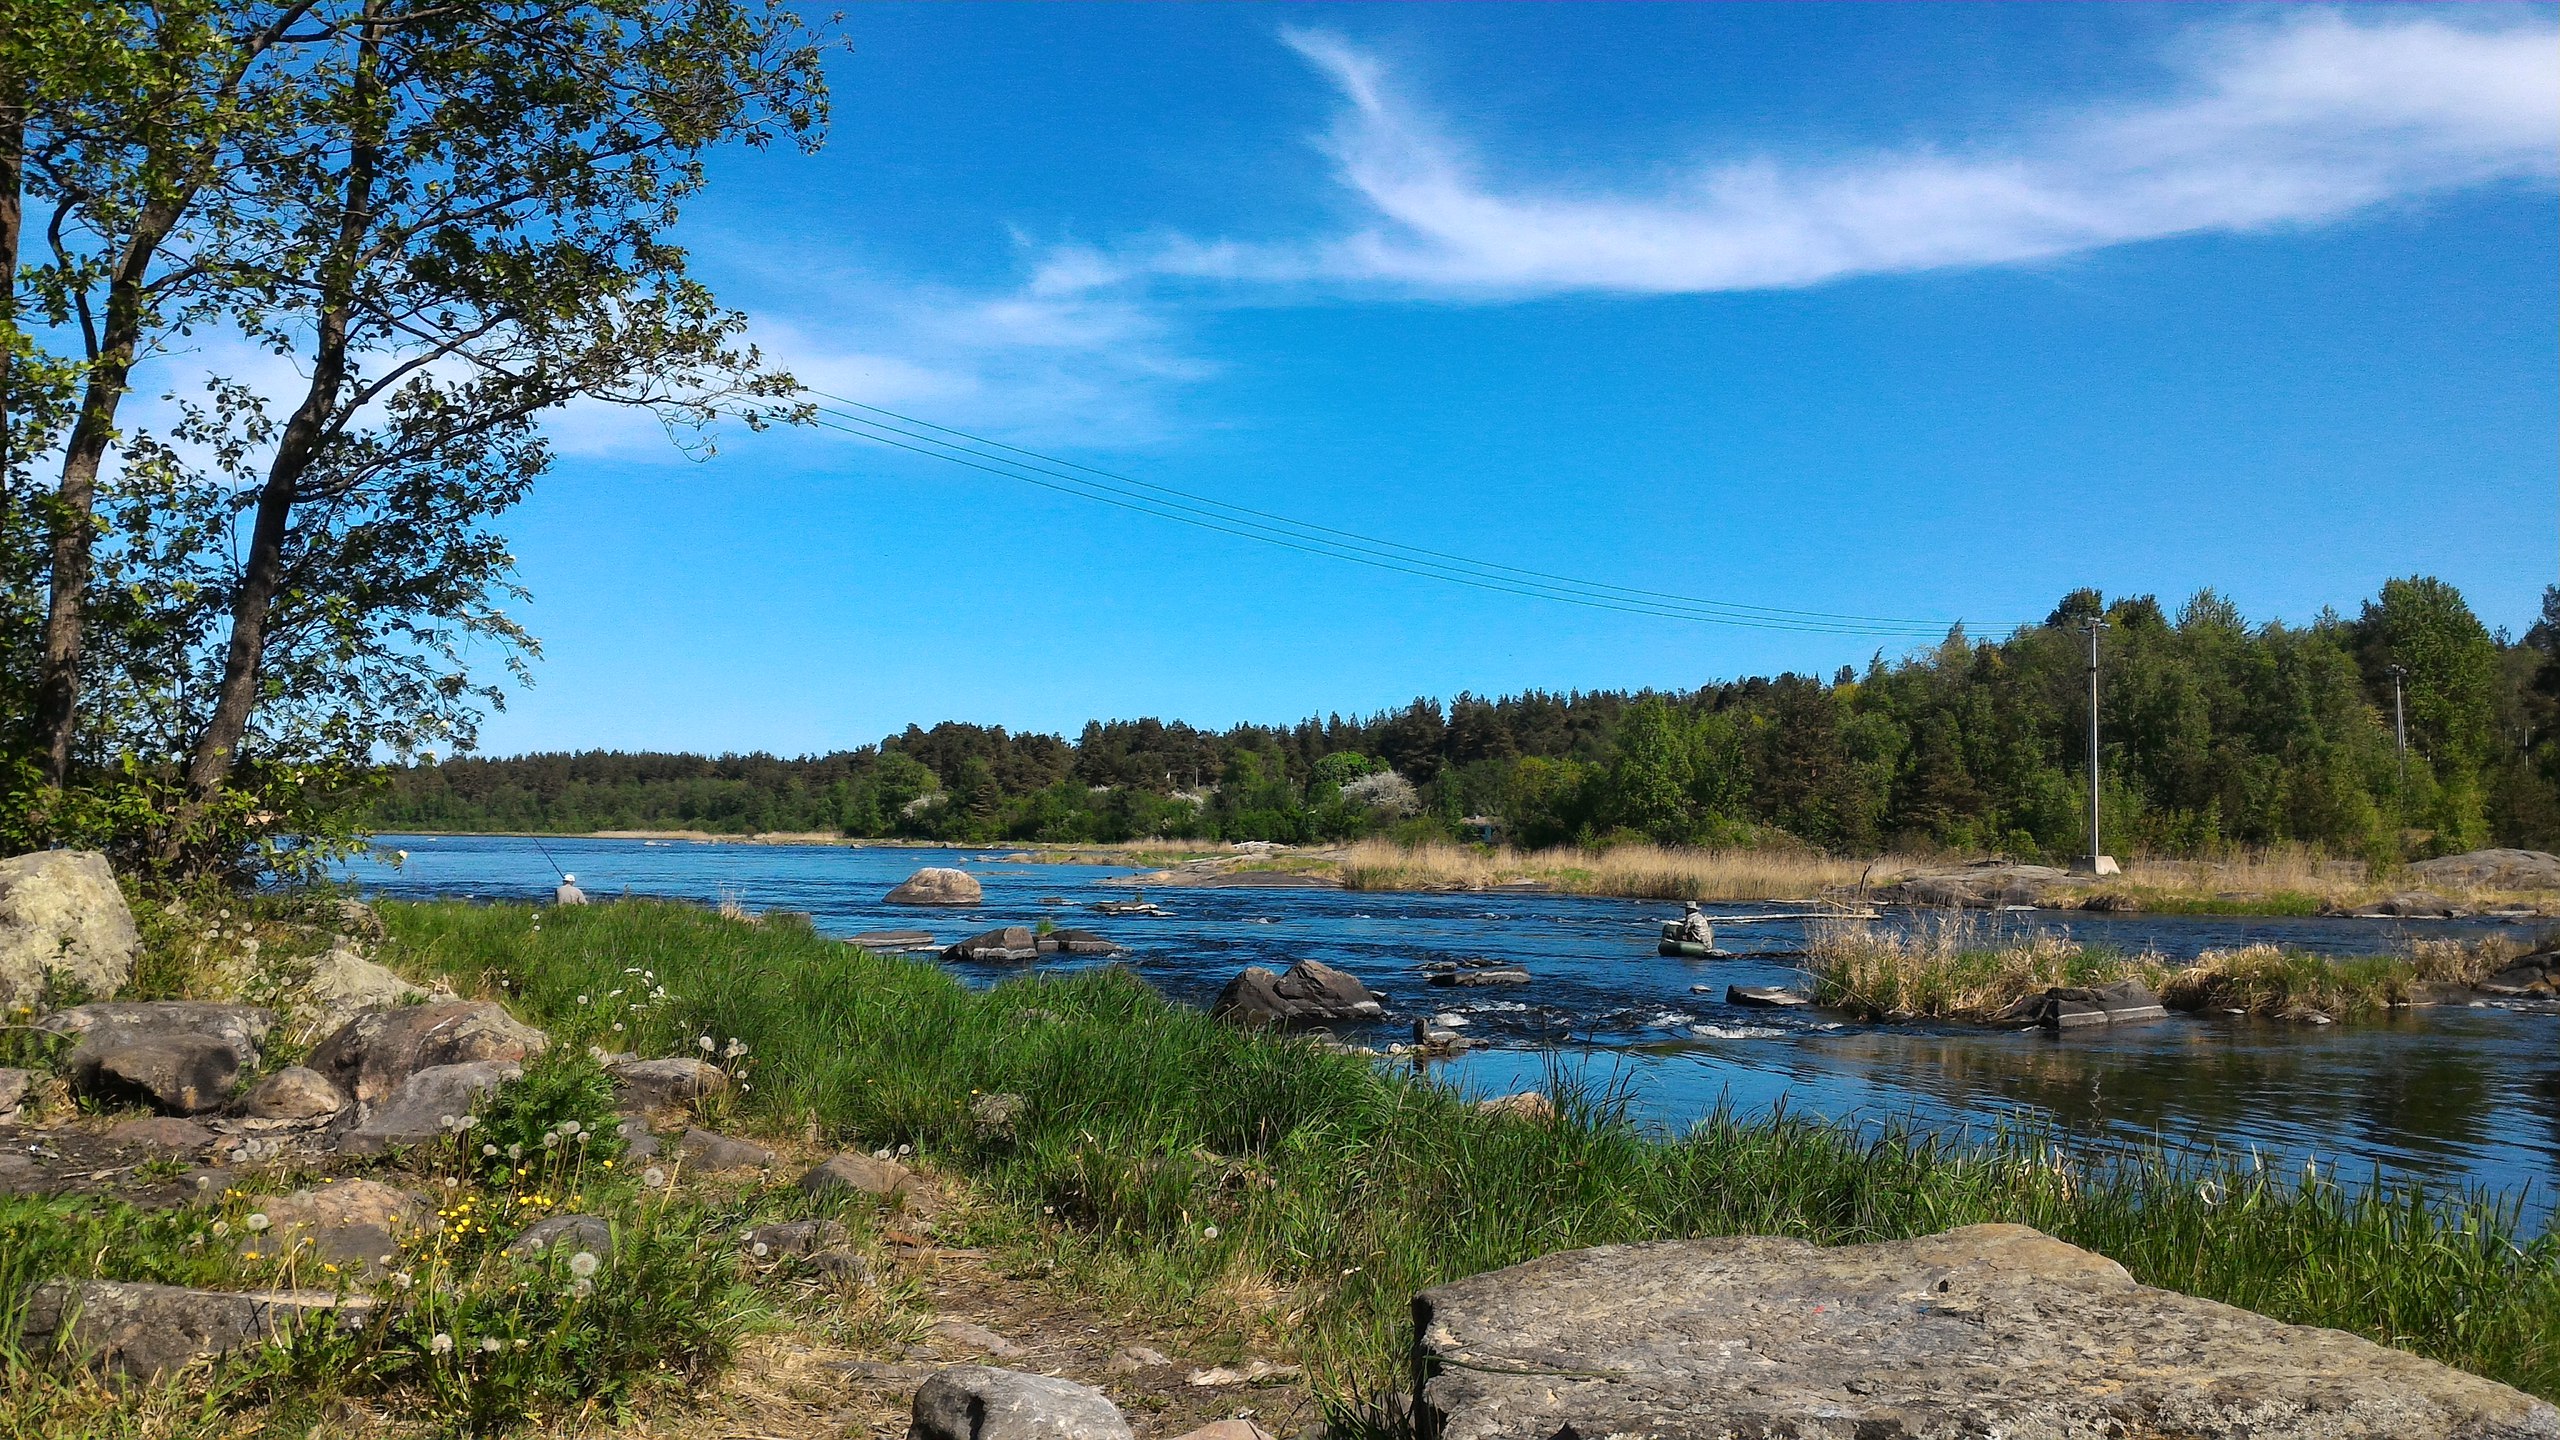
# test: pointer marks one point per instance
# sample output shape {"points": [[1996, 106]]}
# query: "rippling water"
{"points": [[2467, 1095]]}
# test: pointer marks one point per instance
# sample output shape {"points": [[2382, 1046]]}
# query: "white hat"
{"points": [[568, 879]]}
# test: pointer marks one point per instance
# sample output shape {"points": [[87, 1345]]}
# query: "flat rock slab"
{"points": [[1990, 1330], [980, 1402], [146, 1331], [240, 1028]]}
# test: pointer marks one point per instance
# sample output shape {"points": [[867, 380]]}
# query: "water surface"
{"points": [[2458, 1094]]}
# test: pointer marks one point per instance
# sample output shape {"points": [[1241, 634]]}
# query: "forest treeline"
{"points": [[2217, 734]]}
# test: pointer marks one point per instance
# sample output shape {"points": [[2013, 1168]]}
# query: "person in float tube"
{"points": [[568, 893], [1694, 926]]}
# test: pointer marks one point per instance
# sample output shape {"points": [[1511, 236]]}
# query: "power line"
{"points": [[1306, 537]]}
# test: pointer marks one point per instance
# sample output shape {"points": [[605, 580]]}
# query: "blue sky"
{"points": [[1905, 311]]}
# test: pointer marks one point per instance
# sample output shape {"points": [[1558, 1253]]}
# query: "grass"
{"points": [[1963, 966], [1272, 1190], [1636, 872]]}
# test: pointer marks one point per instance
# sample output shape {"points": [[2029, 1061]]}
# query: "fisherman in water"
{"points": [[1694, 926], [568, 893]]}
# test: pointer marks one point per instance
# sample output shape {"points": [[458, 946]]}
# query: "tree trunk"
{"points": [[217, 748], [13, 156], [102, 391]]}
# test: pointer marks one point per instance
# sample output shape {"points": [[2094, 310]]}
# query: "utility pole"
{"points": [[2100, 862], [2400, 724]]}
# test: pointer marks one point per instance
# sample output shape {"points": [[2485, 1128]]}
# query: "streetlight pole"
{"points": [[2100, 863], [2400, 724]]}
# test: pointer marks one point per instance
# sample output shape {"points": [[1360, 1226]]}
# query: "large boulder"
{"points": [[2080, 1007], [370, 1055], [64, 928], [344, 983], [1311, 993], [1013, 943], [1986, 1330], [980, 1402], [427, 1105], [173, 1074], [143, 1332], [936, 885], [2535, 976], [2490, 870], [242, 1029], [344, 1222]]}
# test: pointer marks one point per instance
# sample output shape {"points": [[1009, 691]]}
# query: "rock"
{"points": [[1986, 1330], [162, 1132], [2535, 975], [15, 1086], [1311, 993], [143, 1332], [359, 920], [791, 1239], [1012, 943], [292, 1093], [2491, 870], [1528, 1105], [1486, 975], [242, 1028], [637, 1142], [668, 1084], [426, 1105], [2076, 1007], [559, 1234], [935, 885], [64, 928], [708, 1151], [853, 1171], [993, 1115], [1249, 1374], [1765, 997], [980, 1402], [373, 1053], [2409, 905], [345, 1222], [892, 942], [976, 1338], [174, 1074], [1131, 1359], [344, 983], [1082, 942], [1985, 886]]}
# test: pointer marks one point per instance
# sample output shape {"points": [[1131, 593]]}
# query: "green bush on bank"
{"points": [[1174, 1159]]}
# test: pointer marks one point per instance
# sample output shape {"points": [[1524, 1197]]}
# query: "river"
{"points": [[2462, 1095]]}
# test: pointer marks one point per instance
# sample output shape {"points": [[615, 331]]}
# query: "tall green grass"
{"points": [[1182, 1161]]}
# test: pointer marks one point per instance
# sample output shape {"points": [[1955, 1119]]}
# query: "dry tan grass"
{"points": [[1945, 965], [1642, 872]]}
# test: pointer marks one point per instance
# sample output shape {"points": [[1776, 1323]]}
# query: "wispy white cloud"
{"points": [[2298, 122]]}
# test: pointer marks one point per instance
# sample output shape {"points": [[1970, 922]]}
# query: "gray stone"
{"points": [[791, 1239], [2491, 870], [162, 1132], [2080, 1007], [1013, 943], [980, 1402], [426, 1105], [2536, 975], [343, 1222], [1990, 1330], [855, 1172], [1983, 886], [1482, 975], [242, 1028], [1081, 942], [668, 1084], [708, 1151], [344, 983], [564, 1234], [1765, 997], [64, 928], [292, 1093], [174, 1074], [975, 1338], [146, 1331], [637, 1142], [2411, 905], [994, 1114], [891, 942], [935, 885], [372, 1054], [1311, 993], [15, 1086]]}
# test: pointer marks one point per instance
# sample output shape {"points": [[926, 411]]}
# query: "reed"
{"points": [[1292, 1195], [1636, 872]]}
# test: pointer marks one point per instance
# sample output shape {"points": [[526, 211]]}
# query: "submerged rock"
{"points": [[1486, 975], [1765, 997], [64, 928], [1013, 943], [1986, 1330], [936, 885], [980, 1402], [1311, 993]]}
